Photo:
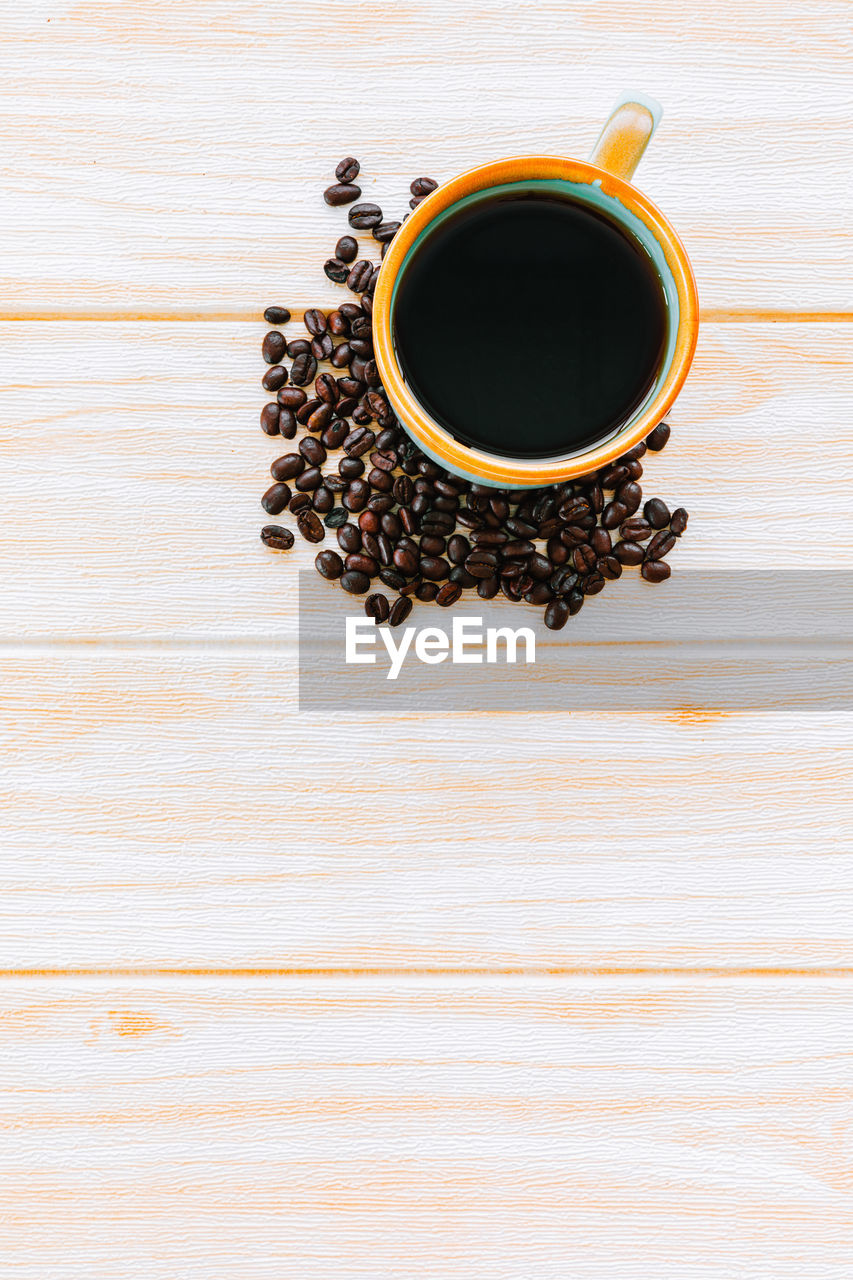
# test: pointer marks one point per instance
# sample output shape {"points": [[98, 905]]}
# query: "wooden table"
{"points": [[502, 996]]}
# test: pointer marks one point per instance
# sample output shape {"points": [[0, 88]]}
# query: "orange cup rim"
{"points": [[508, 471]]}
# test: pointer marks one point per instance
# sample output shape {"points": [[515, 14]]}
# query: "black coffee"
{"points": [[529, 325]]}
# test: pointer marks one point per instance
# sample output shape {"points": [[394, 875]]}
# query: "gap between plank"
{"points": [[428, 971], [42, 315]]}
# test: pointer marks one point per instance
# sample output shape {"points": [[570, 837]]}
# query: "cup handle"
{"points": [[626, 134]]}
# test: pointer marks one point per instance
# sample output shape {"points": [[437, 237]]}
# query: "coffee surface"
{"points": [[529, 326]]}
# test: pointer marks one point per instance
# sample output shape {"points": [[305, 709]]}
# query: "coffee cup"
{"points": [[597, 190]]}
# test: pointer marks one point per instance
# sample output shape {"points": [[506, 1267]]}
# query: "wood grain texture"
{"points": [[173, 810], [165, 159], [165, 808], [511, 1129], [130, 485]]}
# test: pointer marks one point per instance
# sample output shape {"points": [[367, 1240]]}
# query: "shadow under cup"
{"points": [[606, 209]]}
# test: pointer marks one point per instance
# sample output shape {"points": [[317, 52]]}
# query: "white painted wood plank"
{"points": [[132, 465], [164, 159], [174, 810], [509, 1129]]}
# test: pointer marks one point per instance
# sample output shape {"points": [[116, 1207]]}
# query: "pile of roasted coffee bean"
{"points": [[401, 519]]}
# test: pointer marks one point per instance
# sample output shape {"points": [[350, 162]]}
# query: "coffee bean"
{"points": [[320, 418], [356, 495], [329, 564], [355, 582], [341, 193], [583, 558], [299, 502], [336, 517], [359, 442], [364, 216], [312, 451], [601, 541], [322, 500], [273, 347], [458, 548], [658, 438], [274, 378], [563, 580], [343, 409], [322, 347], [630, 495], [613, 514], [558, 553], [557, 614], [615, 476], [521, 528], [348, 169], [336, 270], [269, 419], [276, 315], [517, 548], [678, 523], [423, 186], [482, 563], [433, 545], [433, 568], [489, 537], [539, 593], [426, 591], [392, 579], [406, 561], [657, 513], [635, 530], [628, 552], [400, 610], [575, 509], [488, 588], [593, 583], [351, 468], [350, 310], [277, 537], [660, 545], [448, 594], [633, 455], [298, 347], [291, 397], [539, 567], [309, 525], [346, 250], [287, 466], [361, 346], [384, 461], [311, 478], [609, 567], [376, 606], [327, 389], [385, 231], [656, 570], [349, 537], [303, 370], [362, 563], [461, 575], [315, 321], [369, 522], [359, 276], [276, 498], [287, 423]]}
